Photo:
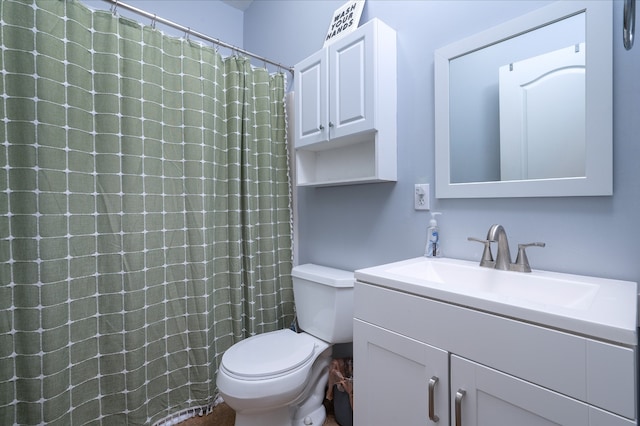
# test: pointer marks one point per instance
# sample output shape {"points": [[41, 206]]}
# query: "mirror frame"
{"points": [[598, 179]]}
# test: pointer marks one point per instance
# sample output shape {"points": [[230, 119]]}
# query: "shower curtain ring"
{"points": [[153, 21], [114, 8], [187, 32]]}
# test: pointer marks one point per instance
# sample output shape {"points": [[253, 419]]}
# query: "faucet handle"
{"points": [[487, 257], [522, 262]]}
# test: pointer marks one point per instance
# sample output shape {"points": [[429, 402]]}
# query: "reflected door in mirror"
{"points": [[542, 116]]}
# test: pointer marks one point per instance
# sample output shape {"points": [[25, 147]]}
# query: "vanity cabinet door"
{"points": [[398, 380], [482, 396]]}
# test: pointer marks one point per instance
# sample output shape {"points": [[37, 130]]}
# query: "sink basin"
{"points": [[598, 307], [532, 287]]}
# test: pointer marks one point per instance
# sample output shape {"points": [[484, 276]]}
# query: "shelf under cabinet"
{"points": [[341, 164]]}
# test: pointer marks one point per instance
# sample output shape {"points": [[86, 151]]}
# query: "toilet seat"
{"points": [[269, 355]]}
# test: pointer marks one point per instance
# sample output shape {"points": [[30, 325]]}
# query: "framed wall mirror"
{"points": [[524, 109]]}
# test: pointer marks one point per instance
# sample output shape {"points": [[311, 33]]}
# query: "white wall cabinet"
{"points": [[345, 110], [491, 370]]}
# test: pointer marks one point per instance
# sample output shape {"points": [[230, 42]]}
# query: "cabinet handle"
{"points": [[628, 23], [330, 124], [432, 387], [459, 395], [321, 127]]}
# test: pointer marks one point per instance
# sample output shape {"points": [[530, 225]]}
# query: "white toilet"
{"points": [[279, 378]]}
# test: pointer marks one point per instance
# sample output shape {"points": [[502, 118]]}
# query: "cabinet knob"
{"points": [[321, 127], [432, 387], [330, 124]]}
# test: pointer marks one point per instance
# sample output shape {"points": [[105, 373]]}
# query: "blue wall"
{"points": [[213, 18], [363, 225]]}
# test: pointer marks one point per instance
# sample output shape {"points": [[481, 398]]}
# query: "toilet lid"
{"points": [[268, 354]]}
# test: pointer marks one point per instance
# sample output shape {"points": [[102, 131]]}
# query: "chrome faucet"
{"points": [[503, 258]]}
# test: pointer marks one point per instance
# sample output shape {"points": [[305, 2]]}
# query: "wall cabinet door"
{"points": [[351, 83], [334, 89], [481, 396], [398, 380], [311, 103]]}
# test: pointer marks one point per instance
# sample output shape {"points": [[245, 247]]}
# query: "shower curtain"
{"points": [[144, 216]]}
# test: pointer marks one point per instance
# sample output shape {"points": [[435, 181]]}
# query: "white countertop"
{"points": [[597, 307]]}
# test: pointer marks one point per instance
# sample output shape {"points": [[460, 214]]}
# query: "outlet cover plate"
{"points": [[421, 196]]}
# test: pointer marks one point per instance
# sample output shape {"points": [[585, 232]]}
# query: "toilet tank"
{"points": [[324, 302]]}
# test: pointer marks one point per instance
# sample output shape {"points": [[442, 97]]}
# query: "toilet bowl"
{"points": [[279, 378], [266, 374]]}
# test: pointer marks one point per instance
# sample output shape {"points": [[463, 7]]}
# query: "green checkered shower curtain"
{"points": [[144, 216]]}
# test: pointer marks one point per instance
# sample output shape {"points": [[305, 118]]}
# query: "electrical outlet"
{"points": [[421, 196]]}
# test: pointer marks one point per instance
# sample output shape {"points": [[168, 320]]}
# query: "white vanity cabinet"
{"points": [[492, 370], [345, 110]]}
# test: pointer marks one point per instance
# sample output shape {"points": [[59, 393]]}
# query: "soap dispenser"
{"points": [[433, 237]]}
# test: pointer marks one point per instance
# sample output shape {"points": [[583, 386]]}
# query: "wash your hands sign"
{"points": [[345, 20]]}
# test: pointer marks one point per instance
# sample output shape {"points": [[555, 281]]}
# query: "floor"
{"points": [[223, 415]]}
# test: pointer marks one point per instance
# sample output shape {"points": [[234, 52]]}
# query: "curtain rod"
{"points": [[155, 18]]}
